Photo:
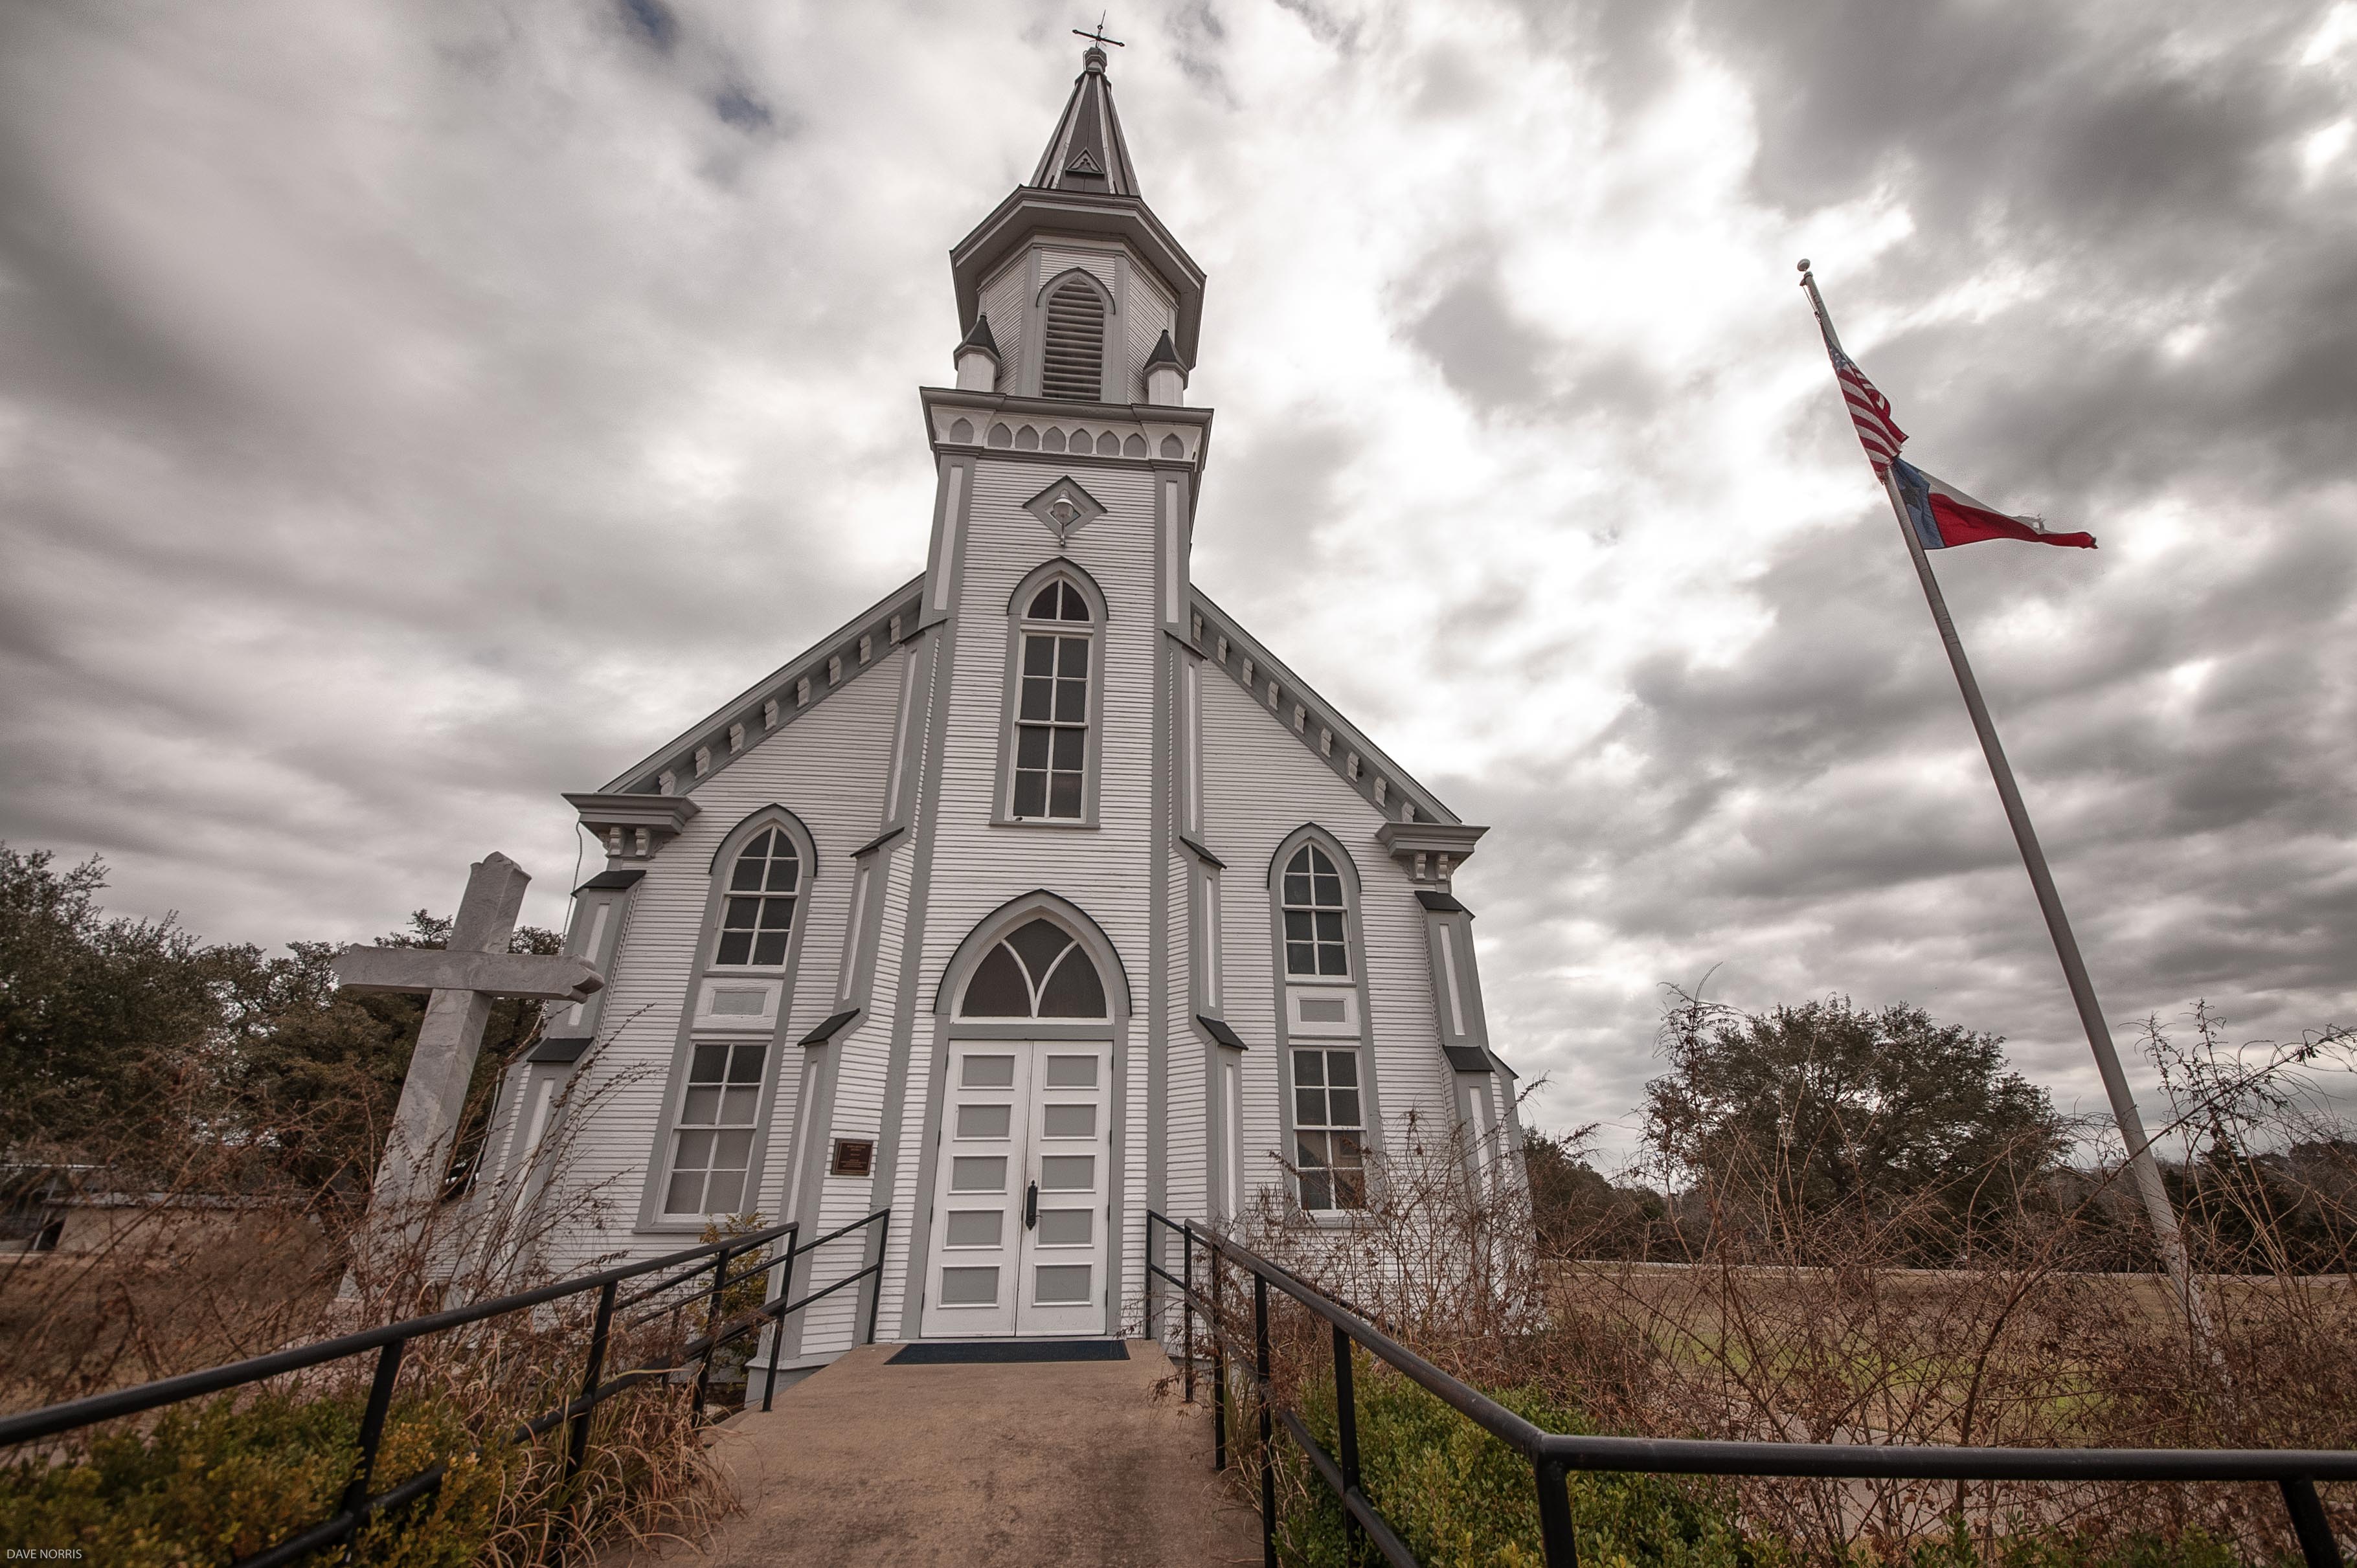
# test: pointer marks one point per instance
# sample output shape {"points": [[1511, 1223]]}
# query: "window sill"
{"points": [[1062, 824], [1331, 1219]]}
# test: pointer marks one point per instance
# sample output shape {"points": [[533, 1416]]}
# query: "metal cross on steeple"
{"points": [[1099, 35]]}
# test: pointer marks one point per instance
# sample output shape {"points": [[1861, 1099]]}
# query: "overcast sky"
{"points": [[408, 413]]}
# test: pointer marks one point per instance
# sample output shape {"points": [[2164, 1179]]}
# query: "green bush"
{"points": [[1460, 1499], [221, 1481]]}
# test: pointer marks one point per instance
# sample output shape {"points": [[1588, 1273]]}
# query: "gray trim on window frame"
{"points": [[1002, 805], [651, 1219], [1369, 1093]]}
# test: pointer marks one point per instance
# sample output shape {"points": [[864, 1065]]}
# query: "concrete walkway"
{"points": [[984, 1464]]}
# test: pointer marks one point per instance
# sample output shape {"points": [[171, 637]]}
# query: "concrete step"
{"points": [[978, 1465]]}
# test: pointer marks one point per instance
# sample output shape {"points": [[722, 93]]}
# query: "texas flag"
{"points": [[1943, 515]]}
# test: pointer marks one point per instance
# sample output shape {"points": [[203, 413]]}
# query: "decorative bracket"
{"points": [[1430, 851], [633, 826]]}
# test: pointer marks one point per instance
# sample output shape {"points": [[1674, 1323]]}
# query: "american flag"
{"points": [[1869, 410]]}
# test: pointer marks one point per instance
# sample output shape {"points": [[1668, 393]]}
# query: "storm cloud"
{"points": [[406, 417]]}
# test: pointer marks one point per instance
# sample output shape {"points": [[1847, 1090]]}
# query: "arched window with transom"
{"points": [[1317, 929], [1036, 971], [1326, 1069], [721, 1090], [1054, 689]]}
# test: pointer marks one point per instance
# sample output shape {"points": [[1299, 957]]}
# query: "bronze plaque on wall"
{"points": [[853, 1156]]}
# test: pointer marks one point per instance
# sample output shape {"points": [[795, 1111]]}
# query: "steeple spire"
{"points": [[1087, 152]]}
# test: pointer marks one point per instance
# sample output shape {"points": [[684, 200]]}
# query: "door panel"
{"points": [[1064, 1288], [978, 1212], [1018, 1228]]}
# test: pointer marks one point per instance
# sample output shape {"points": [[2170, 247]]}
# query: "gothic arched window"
{"points": [[1072, 346], [1316, 940], [758, 915], [1036, 970], [1051, 710]]}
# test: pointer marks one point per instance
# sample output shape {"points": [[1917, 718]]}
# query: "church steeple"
{"points": [[1078, 291], [1086, 151]]}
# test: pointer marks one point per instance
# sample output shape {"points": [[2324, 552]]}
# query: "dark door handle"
{"points": [[1031, 1207]]}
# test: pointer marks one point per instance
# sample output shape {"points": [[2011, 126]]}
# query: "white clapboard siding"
{"points": [[1185, 1129], [978, 865], [910, 1207], [1005, 300], [1057, 259], [828, 767], [862, 1068], [1150, 314], [1260, 784]]}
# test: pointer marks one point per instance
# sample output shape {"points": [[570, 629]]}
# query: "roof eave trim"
{"points": [[811, 662], [1324, 713]]}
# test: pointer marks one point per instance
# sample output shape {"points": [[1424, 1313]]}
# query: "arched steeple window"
{"points": [[1036, 970], [1072, 342]]}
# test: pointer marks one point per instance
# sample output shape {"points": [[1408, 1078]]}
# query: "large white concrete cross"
{"points": [[462, 981]]}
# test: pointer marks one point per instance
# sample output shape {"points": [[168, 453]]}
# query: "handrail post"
{"points": [[380, 1404], [1186, 1311], [778, 1324], [1346, 1422], [1267, 1422], [876, 1280], [1555, 1516], [1151, 1288], [1218, 1368], [2309, 1523], [576, 1442], [711, 1326]]}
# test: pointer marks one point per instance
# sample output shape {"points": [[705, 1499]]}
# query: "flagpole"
{"points": [[2144, 1169]]}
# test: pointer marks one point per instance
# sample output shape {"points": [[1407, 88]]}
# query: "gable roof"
{"points": [[879, 626], [1355, 759], [1313, 722]]}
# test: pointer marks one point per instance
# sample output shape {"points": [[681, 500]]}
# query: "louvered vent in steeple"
{"points": [[1073, 365]]}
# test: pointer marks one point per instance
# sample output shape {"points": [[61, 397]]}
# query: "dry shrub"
{"points": [[1759, 1318], [212, 1261]]}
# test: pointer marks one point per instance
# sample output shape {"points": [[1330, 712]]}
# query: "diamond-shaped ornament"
{"points": [[1064, 508]]}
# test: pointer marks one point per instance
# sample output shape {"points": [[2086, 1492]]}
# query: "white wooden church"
{"points": [[1040, 894]]}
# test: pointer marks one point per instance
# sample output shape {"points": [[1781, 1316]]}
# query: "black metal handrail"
{"points": [[1554, 1455], [358, 1505]]}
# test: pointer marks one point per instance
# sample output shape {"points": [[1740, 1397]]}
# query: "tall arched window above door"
{"points": [[1036, 971], [1055, 686]]}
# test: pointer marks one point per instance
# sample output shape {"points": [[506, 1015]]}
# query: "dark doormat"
{"points": [[954, 1352]]}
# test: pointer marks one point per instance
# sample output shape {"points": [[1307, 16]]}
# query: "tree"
{"points": [[132, 1044], [95, 1014], [1580, 1212], [1828, 1109]]}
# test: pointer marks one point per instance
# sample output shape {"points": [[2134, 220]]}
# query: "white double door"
{"points": [[1020, 1205]]}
